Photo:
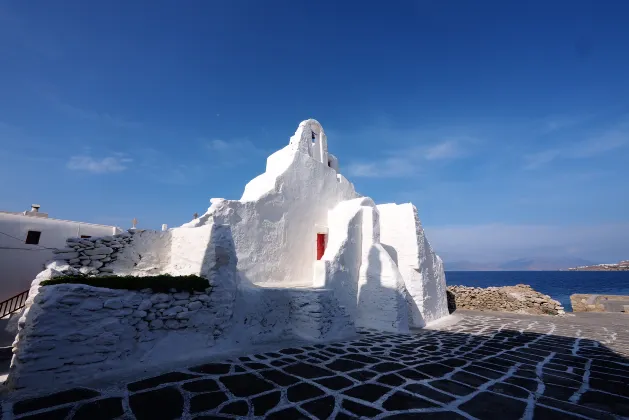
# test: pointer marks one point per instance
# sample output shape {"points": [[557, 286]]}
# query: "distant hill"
{"points": [[621, 266], [521, 264]]}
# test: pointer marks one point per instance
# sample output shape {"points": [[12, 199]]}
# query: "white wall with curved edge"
{"points": [[402, 234], [274, 225]]}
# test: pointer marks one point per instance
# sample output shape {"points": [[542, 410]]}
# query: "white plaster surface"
{"points": [[402, 234], [259, 254]]}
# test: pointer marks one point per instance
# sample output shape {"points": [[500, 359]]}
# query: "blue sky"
{"points": [[506, 123]]}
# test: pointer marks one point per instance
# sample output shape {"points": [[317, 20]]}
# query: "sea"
{"points": [[559, 285]]}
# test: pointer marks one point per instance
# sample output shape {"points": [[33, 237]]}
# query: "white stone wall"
{"points": [[403, 236], [254, 251], [93, 255], [73, 331], [274, 225], [362, 274], [70, 333]]}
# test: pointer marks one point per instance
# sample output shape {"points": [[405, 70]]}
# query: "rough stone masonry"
{"points": [[520, 299], [94, 255]]}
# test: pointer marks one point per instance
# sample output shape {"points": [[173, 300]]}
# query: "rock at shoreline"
{"points": [[521, 299]]}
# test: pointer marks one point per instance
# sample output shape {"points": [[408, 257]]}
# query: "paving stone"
{"points": [[58, 414], [246, 385], [256, 366], [105, 409], [508, 389], [484, 372], [203, 385], [454, 362], [287, 413], [469, 378], [487, 405], [387, 367], [320, 408], [575, 408], [419, 360], [291, 351], [451, 387], [362, 375], [335, 383], [435, 415], [544, 413], [308, 371], [608, 402], [280, 378], [413, 374], [528, 384], [212, 368], [163, 403], [401, 400], [360, 410], [52, 400], [367, 392], [266, 402], [238, 408], [361, 358], [159, 380], [391, 379], [559, 392], [611, 386], [207, 401], [303, 391], [428, 392], [344, 365]]}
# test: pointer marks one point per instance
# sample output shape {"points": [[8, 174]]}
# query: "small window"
{"points": [[85, 236], [32, 237]]}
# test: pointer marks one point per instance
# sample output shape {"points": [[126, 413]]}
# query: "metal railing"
{"points": [[13, 304]]}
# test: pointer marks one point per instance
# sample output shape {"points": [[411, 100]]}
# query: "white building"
{"points": [[27, 240], [302, 224], [300, 256]]}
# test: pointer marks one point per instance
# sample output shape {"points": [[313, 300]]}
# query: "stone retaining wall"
{"points": [[599, 303], [75, 330], [92, 256], [519, 299]]}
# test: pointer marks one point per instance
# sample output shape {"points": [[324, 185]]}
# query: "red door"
{"points": [[320, 245]]}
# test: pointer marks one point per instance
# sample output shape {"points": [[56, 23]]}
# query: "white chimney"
{"points": [[35, 208], [164, 227]]}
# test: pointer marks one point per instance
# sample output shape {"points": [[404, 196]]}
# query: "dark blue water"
{"points": [[557, 284]]}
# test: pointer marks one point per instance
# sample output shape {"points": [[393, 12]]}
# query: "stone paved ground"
{"points": [[484, 366]]}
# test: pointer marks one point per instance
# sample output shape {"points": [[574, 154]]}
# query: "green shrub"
{"points": [[159, 284]]}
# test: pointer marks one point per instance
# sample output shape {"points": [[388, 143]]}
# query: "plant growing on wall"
{"points": [[160, 283]]}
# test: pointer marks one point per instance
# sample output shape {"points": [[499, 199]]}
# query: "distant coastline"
{"points": [[621, 266]]}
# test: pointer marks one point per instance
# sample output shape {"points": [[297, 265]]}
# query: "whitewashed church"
{"points": [[301, 256], [302, 224]]}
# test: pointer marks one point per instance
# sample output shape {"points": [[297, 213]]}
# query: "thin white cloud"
{"points": [[448, 149], [392, 167], [101, 117], [407, 161], [608, 141], [98, 166], [501, 242], [234, 152]]}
